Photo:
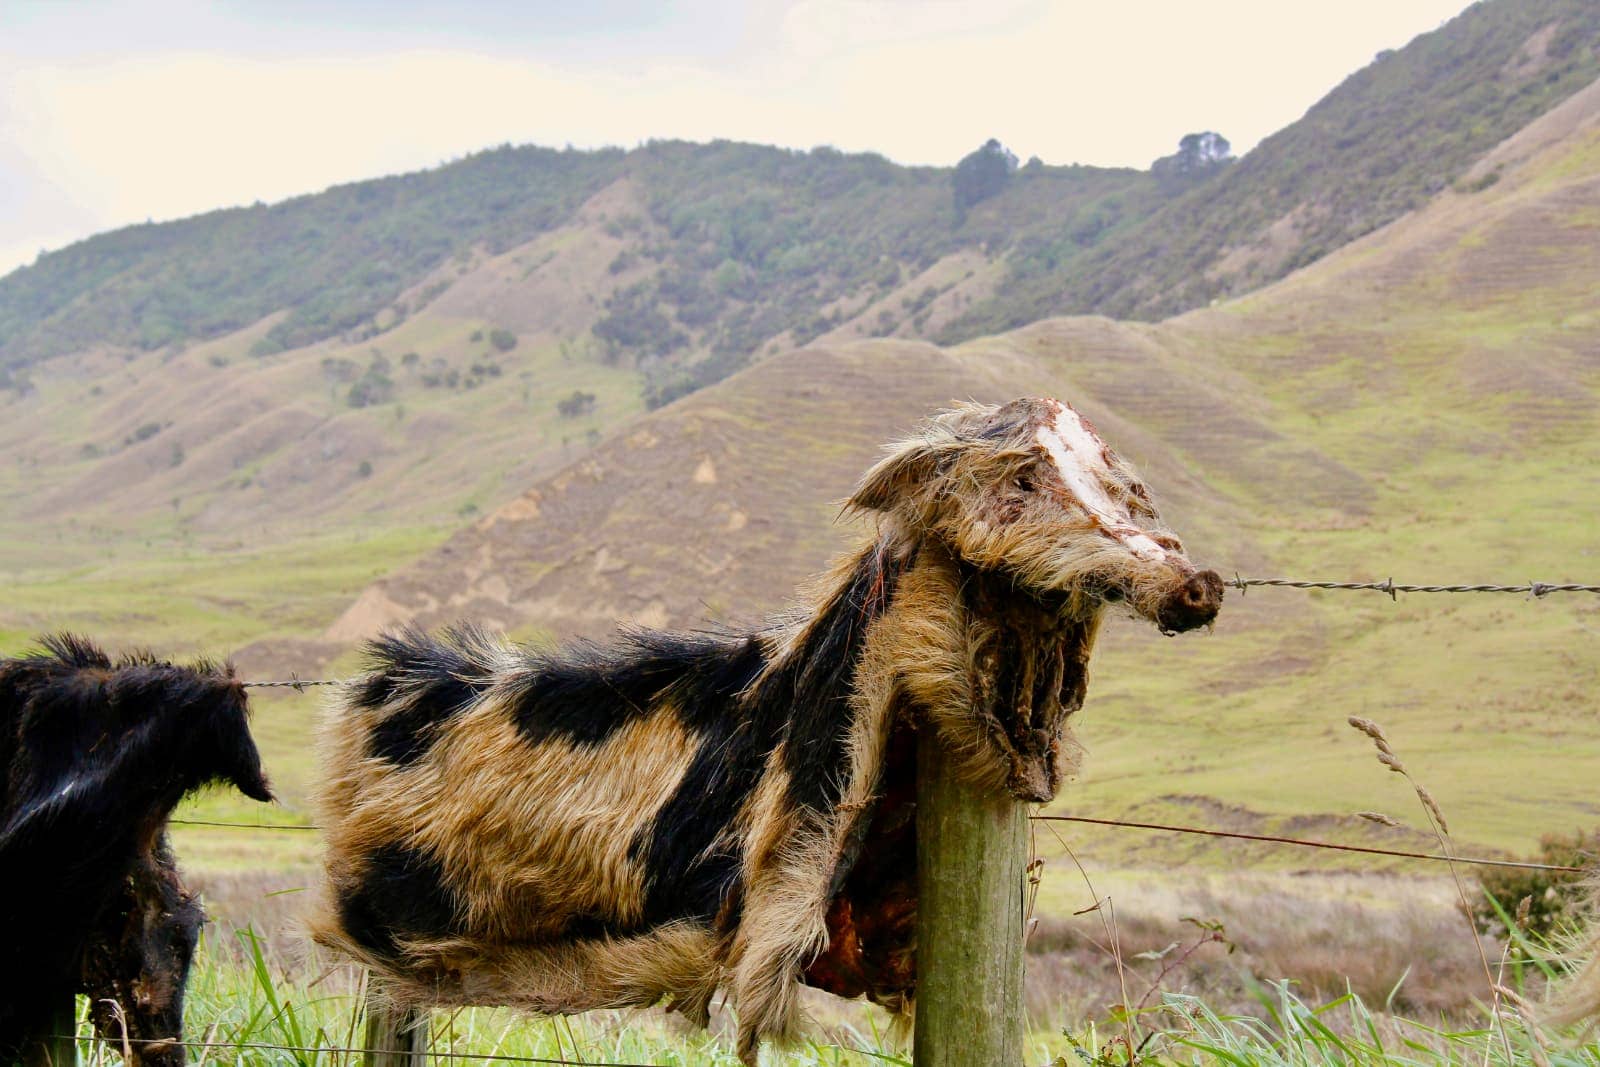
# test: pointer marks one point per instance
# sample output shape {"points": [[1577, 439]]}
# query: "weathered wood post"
{"points": [[394, 1038], [56, 1046], [972, 849]]}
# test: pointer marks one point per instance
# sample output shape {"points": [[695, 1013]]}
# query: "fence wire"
{"points": [[1204, 831], [1303, 843], [1537, 590], [267, 1046], [297, 684]]}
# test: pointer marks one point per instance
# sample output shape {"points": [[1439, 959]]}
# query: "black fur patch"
{"points": [[438, 677], [684, 877], [401, 894], [811, 691], [584, 693]]}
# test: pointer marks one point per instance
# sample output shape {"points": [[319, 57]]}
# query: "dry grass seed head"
{"points": [[1380, 818], [1372, 730]]}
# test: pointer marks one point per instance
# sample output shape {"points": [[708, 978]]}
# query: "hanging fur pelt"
{"points": [[652, 819], [94, 755]]}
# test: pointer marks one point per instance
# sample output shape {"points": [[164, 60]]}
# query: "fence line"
{"points": [[269, 1047], [1304, 843], [1537, 590], [1167, 827]]}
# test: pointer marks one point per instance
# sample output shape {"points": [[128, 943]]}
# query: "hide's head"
{"points": [[1030, 490], [138, 722]]}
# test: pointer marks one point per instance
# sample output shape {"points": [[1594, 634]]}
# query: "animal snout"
{"points": [[1194, 603]]}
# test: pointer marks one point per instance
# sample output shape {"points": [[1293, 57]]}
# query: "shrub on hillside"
{"points": [[575, 404], [502, 339], [982, 174], [373, 387], [1553, 896]]}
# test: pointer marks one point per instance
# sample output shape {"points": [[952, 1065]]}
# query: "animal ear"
{"points": [[899, 475]]}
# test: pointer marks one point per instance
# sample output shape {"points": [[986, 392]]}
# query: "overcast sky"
{"points": [[117, 112]]}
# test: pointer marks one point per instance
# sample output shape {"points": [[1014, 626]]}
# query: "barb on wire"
{"points": [[1370, 850], [295, 682], [1537, 590]]}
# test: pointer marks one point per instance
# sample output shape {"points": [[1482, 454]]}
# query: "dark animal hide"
{"points": [[612, 826], [93, 758]]}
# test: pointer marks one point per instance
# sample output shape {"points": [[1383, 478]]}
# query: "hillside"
{"points": [[1423, 403], [1381, 144], [723, 252]]}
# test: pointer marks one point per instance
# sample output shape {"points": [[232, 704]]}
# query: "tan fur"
{"points": [[540, 847], [678, 960]]}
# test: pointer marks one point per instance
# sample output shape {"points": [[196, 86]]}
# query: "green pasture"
{"points": [[249, 1004]]}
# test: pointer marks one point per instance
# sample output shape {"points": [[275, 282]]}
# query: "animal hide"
{"points": [[93, 758], [607, 826]]}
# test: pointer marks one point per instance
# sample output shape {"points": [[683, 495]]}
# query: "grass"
{"points": [[243, 996], [249, 990], [189, 599]]}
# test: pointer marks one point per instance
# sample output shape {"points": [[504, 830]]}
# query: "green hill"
{"points": [[1382, 143], [729, 250]]}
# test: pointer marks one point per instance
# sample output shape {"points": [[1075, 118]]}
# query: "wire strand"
{"points": [[1165, 827], [1303, 843], [430, 1052], [242, 825], [1537, 590]]}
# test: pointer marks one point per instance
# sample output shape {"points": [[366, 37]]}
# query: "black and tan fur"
{"points": [[602, 826]]}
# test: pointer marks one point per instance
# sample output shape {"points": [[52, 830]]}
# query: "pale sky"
{"points": [[116, 112]]}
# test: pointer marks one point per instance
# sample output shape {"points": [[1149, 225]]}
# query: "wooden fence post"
{"points": [[56, 1045], [972, 849], [394, 1038]]}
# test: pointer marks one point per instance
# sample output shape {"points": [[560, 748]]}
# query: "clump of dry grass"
{"points": [[1392, 940]]}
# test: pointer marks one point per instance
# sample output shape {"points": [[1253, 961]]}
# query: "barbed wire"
{"points": [[1167, 827], [1304, 843], [296, 683], [1537, 590], [243, 825]]}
